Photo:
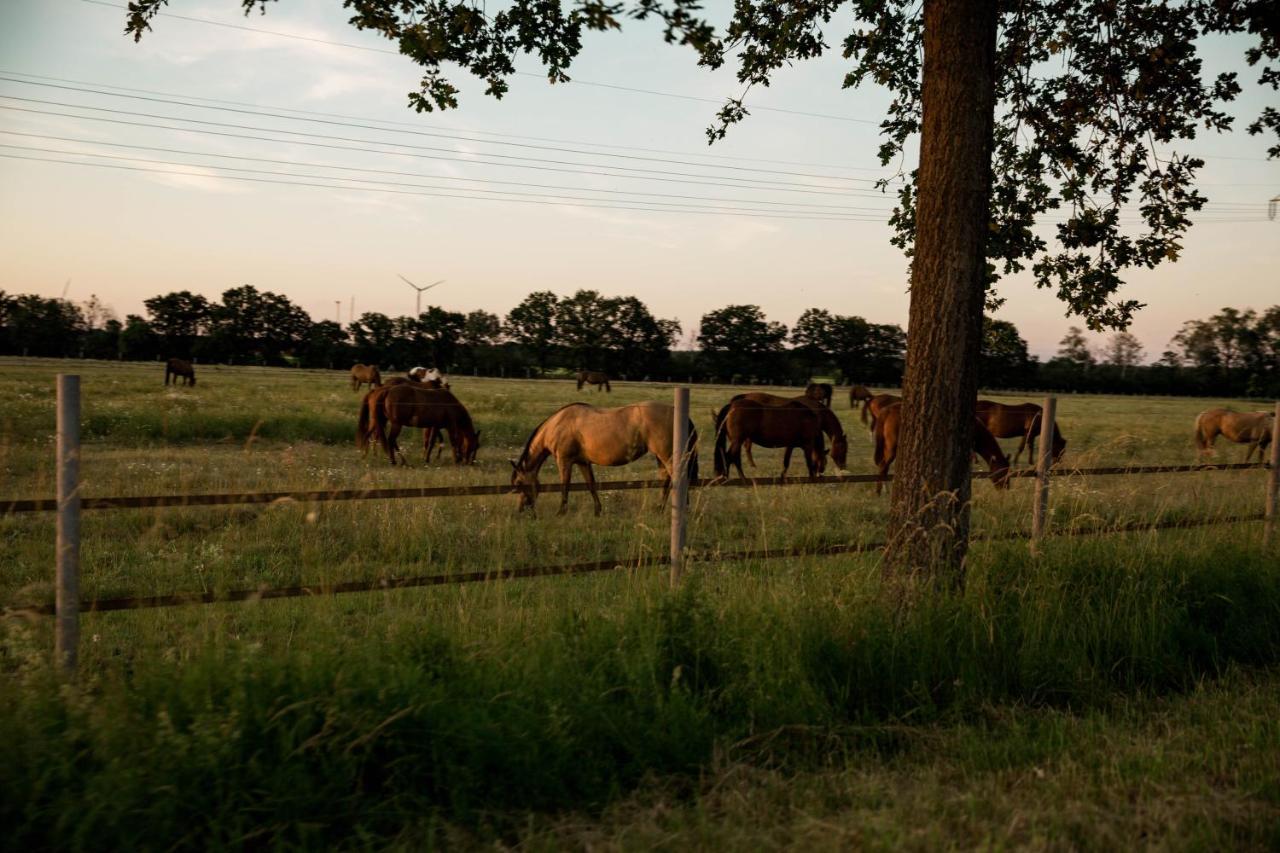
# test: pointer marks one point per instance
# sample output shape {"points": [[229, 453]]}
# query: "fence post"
{"points": [[1273, 483], [1040, 502], [680, 482], [67, 585]]}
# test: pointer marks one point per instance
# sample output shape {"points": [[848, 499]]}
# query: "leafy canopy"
{"points": [[1092, 97]]}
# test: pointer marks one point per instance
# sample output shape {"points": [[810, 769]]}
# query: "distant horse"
{"points": [[984, 444], [594, 377], [820, 391], [826, 418], [1251, 428], [873, 405], [583, 435], [365, 373], [770, 421], [857, 394], [179, 369], [1019, 421], [391, 409]]}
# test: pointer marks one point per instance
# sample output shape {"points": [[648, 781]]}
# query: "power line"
{"points": [[761, 182], [613, 86], [467, 160], [426, 133], [559, 196], [367, 170], [711, 212], [417, 125]]}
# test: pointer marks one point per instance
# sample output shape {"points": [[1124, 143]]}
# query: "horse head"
{"points": [[524, 484], [840, 451]]}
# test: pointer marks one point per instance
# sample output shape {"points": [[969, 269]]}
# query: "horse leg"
{"points": [[746, 445], [590, 477], [735, 457], [428, 441], [393, 445], [566, 474], [786, 461]]}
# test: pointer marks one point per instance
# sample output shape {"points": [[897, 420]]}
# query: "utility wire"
{"points": [[372, 49], [205, 174], [367, 170], [763, 183], [467, 160], [418, 125]]}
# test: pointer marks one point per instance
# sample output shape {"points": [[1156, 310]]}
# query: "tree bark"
{"points": [[929, 518]]}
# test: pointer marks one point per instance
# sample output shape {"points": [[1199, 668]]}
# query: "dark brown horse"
{"points": [[362, 374], [1021, 420], [180, 369], [820, 391], [984, 444], [583, 435], [830, 426], [594, 377], [389, 410], [432, 438], [874, 405], [769, 421]]}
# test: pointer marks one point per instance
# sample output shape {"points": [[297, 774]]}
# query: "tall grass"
{"points": [[477, 707]]}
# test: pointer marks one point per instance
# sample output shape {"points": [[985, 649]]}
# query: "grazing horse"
{"points": [[1251, 428], [820, 391], [1019, 421], [365, 373], [408, 404], [594, 377], [857, 394], [179, 369], [826, 418], [583, 435], [873, 407], [770, 421], [984, 444]]}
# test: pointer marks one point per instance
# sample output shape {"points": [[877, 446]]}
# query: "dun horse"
{"points": [[180, 369], [984, 444], [827, 419], [1251, 428], [594, 377], [583, 435], [1019, 421], [771, 421], [820, 391], [362, 374], [388, 410]]}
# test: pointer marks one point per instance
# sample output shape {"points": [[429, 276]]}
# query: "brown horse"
{"points": [[594, 377], [873, 407], [771, 421], [365, 374], [1251, 428], [827, 419], [583, 435], [407, 404], [857, 394], [1023, 421], [180, 369], [432, 437], [820, 391], [984, 444]]}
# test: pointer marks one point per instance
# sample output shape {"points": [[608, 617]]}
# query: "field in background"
{"points": [[778, 703]]}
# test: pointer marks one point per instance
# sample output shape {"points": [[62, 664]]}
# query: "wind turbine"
{"points": [[418, 305]]}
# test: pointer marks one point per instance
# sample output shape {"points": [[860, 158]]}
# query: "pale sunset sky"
{"points": [[551, 188]]}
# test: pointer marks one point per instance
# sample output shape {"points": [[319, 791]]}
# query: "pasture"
{"points": [[775, 700]]}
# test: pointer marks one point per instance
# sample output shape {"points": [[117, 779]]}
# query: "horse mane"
{"points": [[524, 454]]}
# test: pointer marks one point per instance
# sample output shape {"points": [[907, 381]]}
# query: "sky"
{"points": [[781, 214]]}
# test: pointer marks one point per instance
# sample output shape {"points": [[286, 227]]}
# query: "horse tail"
{"points": [[866, 409], [362, 426], [879, 448], [1201, 443], [691, 447], [379, 428], [721, 454]]}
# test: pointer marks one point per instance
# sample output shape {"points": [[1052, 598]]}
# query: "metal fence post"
{"points": [[1040, 502], [1273, 483], [67, 586], [680, 481]]}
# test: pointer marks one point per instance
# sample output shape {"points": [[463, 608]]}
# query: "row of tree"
{"points": [[1231, 353]]}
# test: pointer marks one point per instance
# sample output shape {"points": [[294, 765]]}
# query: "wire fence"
{"points": [[68, 504]]}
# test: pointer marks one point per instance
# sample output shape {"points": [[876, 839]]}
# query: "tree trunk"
{"points": [[929, 520]]}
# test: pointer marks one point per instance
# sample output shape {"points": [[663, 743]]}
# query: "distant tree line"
{"points": [[1233, 353]]}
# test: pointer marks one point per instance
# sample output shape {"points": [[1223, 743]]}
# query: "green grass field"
{"points": [[1118, 691]]}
